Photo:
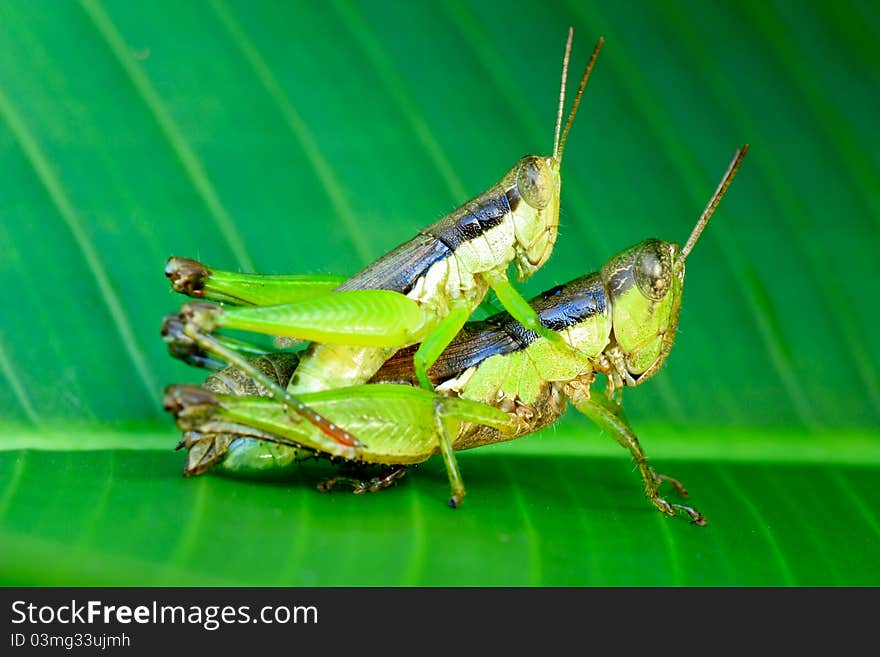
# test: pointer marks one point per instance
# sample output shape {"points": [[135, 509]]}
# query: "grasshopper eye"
{"points": [[534, 181], [653, 270]]}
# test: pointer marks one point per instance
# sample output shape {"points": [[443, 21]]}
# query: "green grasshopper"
{"points": [[496, 381], [422, 292]]}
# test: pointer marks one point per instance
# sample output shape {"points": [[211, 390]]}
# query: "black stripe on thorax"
{"points": [[471, 220], [568, 305], [559, 308], [401, 268]]}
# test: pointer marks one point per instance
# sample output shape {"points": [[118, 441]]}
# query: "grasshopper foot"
{"points": [[371, 485], [456, 500], [672, 481], [672, 509]]}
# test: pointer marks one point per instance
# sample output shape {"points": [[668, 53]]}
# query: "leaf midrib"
{"points": [[716, 444]]}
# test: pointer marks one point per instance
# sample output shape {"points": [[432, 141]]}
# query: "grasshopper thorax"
{"points": [[644, 285]]}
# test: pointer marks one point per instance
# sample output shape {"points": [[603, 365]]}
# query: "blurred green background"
{"points": [[313, 137]]}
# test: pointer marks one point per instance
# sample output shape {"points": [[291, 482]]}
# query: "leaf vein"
{"points": [[57, 194], [187, 157]]}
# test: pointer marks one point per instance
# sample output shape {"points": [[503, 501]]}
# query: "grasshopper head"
{"points": [[644, 285], [533, 187]]}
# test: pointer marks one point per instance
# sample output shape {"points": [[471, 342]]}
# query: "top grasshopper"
{"points": [[421, 292]]}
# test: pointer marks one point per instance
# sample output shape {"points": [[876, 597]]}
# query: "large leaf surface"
{"points": [[314, 137]]}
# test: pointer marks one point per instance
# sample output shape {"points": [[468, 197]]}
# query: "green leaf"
{"points": [[312, 138]]}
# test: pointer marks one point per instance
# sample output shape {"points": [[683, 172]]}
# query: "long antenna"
{"points": [[565, 59], [729, 175], [557, 152]]}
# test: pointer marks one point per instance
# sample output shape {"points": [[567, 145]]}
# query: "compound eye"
{"points": [[653, 271], [534, 182]]}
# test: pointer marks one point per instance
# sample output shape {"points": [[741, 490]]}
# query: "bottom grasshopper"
{"points": [[496, 381]]}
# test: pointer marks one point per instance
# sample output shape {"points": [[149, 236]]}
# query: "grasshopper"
{"points": [[422, 292], [496, 381]]}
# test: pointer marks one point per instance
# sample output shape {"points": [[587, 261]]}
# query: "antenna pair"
{"points": [[559, 143]]}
